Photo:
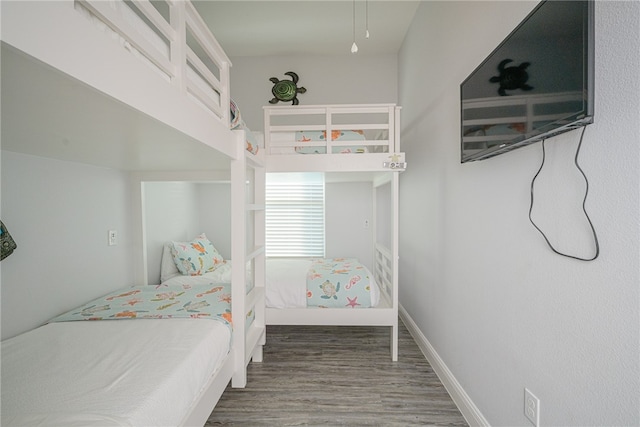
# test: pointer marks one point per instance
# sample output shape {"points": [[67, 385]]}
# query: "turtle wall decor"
{"points": [[511, 78], [286, 90]]}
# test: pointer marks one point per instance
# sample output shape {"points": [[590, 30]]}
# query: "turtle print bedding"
{"points": [[197, 301], [338, 283]]}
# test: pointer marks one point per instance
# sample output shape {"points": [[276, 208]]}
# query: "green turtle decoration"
{"points": [[286, 90]]}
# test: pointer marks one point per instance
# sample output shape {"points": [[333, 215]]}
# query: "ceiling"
{"points": [[307, 27]]}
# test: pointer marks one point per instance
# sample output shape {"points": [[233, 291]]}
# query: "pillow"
{"points": [[336, 135], [168, 268], [196, 257], [235, 120]]}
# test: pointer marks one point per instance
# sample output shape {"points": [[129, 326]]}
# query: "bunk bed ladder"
{"points": [[247, 248]]}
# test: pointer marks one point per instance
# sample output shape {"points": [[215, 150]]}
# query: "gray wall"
{"points": [[501, 310], [347, 79], [348, 205], [59, 214]]}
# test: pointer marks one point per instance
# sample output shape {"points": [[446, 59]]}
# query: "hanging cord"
{"points": [[593, 230], [354, 46], [366, 32]]}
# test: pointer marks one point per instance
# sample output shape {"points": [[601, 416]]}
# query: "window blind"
{"points": [[294, 215]]}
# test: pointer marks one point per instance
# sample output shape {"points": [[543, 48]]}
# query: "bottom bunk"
{"points": [[143, 355], [292, 287]]}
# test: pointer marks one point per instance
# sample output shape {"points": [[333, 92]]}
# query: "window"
{"points": [[295, 215]]}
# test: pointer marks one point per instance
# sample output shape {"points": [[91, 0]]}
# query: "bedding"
{"points": [[169, 270], [306, 137], [286, 285], [126, 372], [195, 257], [286, 281], [200, 301], [486, 130], [171, 276], [313, 142], [119, 372], [252, 144], [337, 283]]}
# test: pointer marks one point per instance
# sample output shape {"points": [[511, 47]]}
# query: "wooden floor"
{"points": [[327, 375]]}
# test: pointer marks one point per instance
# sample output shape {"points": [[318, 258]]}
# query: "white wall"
{"points": [[347, 206], [215, 216], [501, 310], [352, 79], [170, 214], [59, 214], [179, 211]]}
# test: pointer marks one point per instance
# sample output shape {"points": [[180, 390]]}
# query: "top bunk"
{"points": [[139, 86], [500, 121], [363, 138]]}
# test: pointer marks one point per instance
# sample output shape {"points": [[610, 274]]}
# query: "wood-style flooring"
{"points": [[338, 375]]}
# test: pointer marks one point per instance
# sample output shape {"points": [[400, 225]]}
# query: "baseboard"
{"points": [[464, 403]]}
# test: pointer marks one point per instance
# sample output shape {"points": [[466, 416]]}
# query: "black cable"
{"points": [[584, 201]]}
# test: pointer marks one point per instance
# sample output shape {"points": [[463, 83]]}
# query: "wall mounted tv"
{"points": [[537, 83]]}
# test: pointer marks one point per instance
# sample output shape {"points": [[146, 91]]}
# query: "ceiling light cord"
{"points": [[354, 46], [366, 32]]}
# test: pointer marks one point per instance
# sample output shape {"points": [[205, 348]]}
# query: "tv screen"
{"points": [[537, 83]]}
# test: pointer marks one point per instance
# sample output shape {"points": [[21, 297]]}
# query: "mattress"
{"points": [[143, 372], [286, 285]]}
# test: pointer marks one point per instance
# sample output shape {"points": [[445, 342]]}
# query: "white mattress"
{"points": [[286, 285], [143, 372]]}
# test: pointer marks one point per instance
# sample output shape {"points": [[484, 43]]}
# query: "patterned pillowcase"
{"points": [[196, 257]]}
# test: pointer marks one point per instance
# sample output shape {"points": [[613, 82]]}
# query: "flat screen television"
{"points": [[536, 84]]}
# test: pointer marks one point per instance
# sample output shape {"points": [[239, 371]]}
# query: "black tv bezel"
{"points": [[581, 119]]}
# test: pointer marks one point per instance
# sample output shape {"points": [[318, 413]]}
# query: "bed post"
{"points": [[395, 196], [238, 253], [259, 263], [395, 187]]}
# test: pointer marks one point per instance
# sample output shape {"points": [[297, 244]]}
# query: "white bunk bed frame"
{"points": [[381, 168], [526, 110], [60, 71]]}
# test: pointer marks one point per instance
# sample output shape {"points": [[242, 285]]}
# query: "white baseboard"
{"points": [[464, 403]]}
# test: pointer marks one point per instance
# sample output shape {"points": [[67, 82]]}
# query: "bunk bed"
{"points": [[350, 143], [497, 123], [85, 81]]}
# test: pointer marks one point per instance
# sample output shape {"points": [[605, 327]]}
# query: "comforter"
{"points": [[337, 283], [211, 301]]}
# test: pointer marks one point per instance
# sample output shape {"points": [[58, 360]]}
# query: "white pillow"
{"points": [[168, 268]]}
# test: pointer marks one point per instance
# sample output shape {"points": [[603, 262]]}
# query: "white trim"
{"points": [[469, 410]]}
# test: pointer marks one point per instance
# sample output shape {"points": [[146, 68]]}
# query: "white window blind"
{"points": [[295, 215]]}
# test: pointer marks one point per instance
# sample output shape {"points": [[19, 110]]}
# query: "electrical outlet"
{"points": [[366, 223], [113, 237], [532, 407]]}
